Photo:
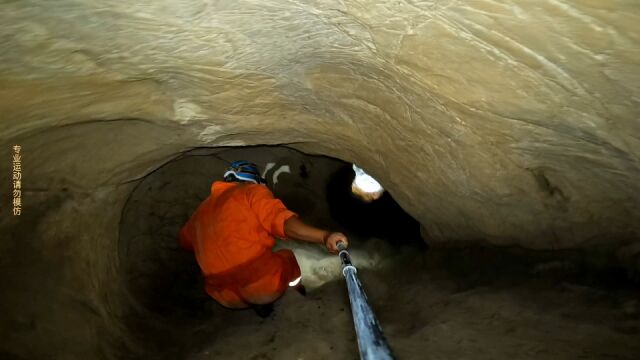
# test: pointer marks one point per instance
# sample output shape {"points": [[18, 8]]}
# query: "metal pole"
{"points": [[371, 341]]}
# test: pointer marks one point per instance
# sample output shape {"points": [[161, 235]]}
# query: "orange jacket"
{"points": [[231, 234]]}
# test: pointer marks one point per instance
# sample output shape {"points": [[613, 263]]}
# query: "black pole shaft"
{"points": [[371, 340]]}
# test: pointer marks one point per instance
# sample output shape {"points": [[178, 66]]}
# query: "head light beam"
{"points": [[364, 186]]}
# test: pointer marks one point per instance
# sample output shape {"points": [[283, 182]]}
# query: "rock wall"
{"points": [[499, 122]]}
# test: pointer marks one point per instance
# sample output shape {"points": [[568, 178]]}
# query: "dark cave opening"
{"points": [[382, 218]]}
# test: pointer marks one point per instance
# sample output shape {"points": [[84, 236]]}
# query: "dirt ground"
{"points": [[433, 303], [469, 303]]}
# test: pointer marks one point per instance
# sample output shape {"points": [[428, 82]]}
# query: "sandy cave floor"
{"points": [[474, 304]]}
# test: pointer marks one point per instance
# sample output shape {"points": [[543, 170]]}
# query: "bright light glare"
{"points": [[295, 282], [364, 186]]}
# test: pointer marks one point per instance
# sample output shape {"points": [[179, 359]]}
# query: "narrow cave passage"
{"points": [[164, 281], [382, 218], [494, 300], [507, 129]]}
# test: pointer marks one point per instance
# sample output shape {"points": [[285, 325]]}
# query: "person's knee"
{"points": [[290, 265]]}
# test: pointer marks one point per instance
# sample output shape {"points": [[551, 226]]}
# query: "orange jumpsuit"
{"points": [[231, 234]]}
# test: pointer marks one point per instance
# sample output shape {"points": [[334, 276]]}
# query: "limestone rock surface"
{"points": [[510, 122], [491, 121]]}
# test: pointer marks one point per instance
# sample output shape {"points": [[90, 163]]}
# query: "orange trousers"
{"points": [[260, 280]]}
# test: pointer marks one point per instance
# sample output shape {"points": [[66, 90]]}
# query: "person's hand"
{"points": [[332, 239]]}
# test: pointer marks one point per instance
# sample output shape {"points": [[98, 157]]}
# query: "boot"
{"points": [[301, 289], [263, 310]]}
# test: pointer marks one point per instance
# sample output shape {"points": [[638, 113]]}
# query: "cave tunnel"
{"points": [[164, 280], [505, 134]]}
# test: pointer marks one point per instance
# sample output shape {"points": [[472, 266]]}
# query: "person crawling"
{"points": [[232, 234]]}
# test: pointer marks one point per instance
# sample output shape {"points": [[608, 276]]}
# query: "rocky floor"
{"points": [[438, 304]]}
